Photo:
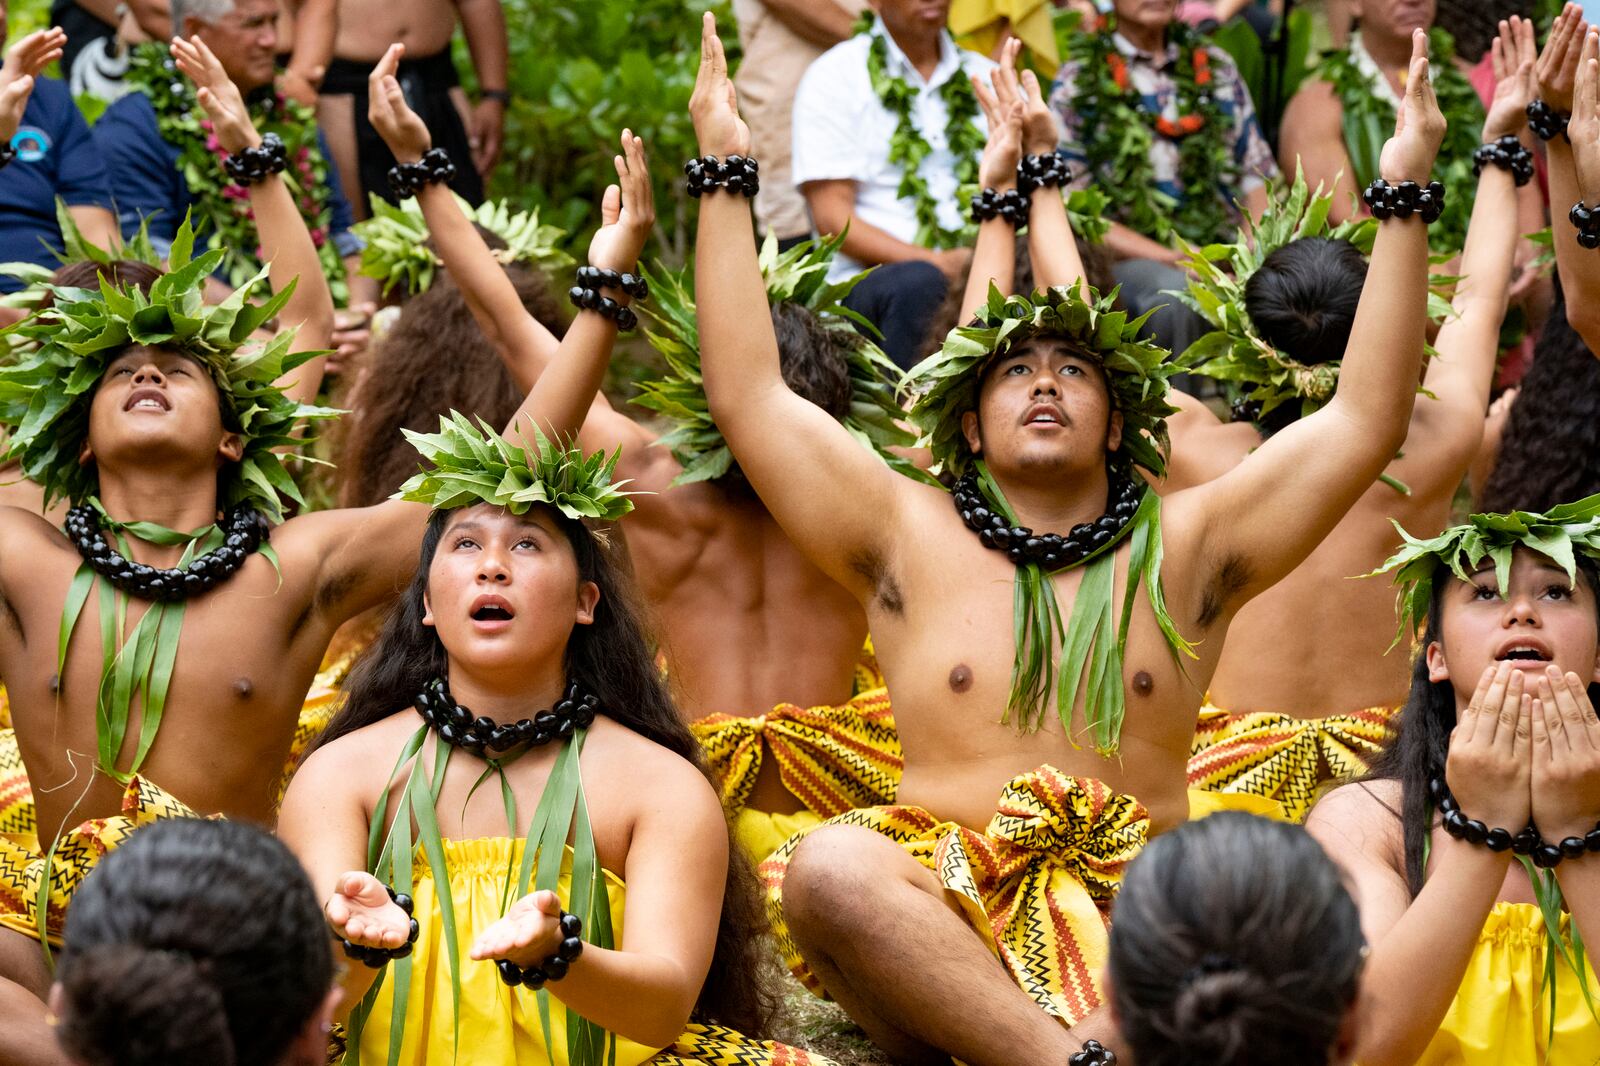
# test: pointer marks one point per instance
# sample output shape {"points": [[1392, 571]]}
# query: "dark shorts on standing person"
{"points": [[426, 83]]}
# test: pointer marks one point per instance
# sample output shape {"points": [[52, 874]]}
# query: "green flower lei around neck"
{"points": [[1369, 120], [398, 252], [1561, 534], [1086, 651], [1234, 352], [220, 202], [470, 465], [798, 276], [908, 148], [1117, 135]]}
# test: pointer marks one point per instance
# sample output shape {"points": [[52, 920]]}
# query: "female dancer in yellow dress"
{"points": [[570, 784], [1487, 806]]}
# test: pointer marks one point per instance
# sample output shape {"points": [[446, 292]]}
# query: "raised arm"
{"points": [[1297, 485], [1447, 428], [994, 259], [285, 242], [316, 25], [831, 495], [1052, 247], [1579, 267], [560, 398]]}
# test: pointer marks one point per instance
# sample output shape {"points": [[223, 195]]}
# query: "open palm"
{"points": [[361, 911]]}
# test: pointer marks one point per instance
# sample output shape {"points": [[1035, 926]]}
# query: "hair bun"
{"points": [[1215, 1010], [139, 1007]]}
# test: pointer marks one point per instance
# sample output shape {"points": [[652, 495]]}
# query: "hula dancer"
{"points": [[1042, 577], [510, 698], [760, 645], [1304, 693], [1474, 845], [137, 408]]}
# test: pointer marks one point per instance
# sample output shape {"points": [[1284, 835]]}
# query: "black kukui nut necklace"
{"points": [[1050, 551], [244, 530], [459, 727]]}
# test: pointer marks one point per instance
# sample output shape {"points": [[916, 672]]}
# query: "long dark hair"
{"points": [[1418, 752], [614, 660], [433, 360], [1233, 943], [1550, 450], [196, 943]]}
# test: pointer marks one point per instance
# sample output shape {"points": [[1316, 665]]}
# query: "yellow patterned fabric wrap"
{"points": [[868, 675], [1203, 804], [5, 708], [832, 758], [981, 24], [21, 868], [1287, 759], [1501, 1011], [17, 818], [1037, 883]]}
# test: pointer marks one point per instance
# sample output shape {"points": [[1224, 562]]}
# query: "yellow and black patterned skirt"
{"points": [[1037, 884]]}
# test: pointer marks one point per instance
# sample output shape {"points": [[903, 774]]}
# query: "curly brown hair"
{"points": [[433, 360]]}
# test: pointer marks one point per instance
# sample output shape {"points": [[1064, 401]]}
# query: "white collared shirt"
{"points": [[842, 132]]}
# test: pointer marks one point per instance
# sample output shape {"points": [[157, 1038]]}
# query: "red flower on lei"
{"points": [[1184, 125]]}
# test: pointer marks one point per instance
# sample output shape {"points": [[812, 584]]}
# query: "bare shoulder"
{"points": [[1315, 97], [655, 777], [24, 536], [350, 763], [1361, 817]]}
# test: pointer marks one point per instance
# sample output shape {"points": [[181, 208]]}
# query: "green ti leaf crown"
{"points": [[48, 387], [76, 248], [1234, 352], [944, 386], [798, 276], [398, 252], [1560, 534], [474, 464]]}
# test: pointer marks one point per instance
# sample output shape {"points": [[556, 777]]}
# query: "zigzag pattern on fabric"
{"points": [[17, 815], [716, 1045], [1287, 759], [80, 849], [1038, 883], [833, 759]]}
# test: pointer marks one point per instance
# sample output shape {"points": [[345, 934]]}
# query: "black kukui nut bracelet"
{"points": [[250, 166], [1527, 843], [1586, 220], [1010, 205], [600, 278], [379, 957], [1546, 122], [1387, 201], [1047, 170], [1094, 1053], [554, 967], [434, 168], [1507, 153], [591, 300], [737, 173]]}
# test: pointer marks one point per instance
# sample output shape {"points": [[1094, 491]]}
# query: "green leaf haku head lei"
{"points": [[46, 392], [1088, 648], [1561, 534], [1369, 118], [798, 276], [398, 252], [470, 465], [1234, 353]]}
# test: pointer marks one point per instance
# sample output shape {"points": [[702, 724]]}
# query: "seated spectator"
{"points": [[162, 158], [197, 943], [54, 159], [886, 130], [1234, 942], [780, 39], [1161, 122]]}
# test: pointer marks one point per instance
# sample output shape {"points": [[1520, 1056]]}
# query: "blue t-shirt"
{"points": [[56, 157], [146, 181]]}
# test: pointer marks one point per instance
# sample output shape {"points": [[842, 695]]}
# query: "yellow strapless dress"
{"points": [[1499, 1015]]}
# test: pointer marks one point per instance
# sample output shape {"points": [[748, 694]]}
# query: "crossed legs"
{"points": [[892, 947]]}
